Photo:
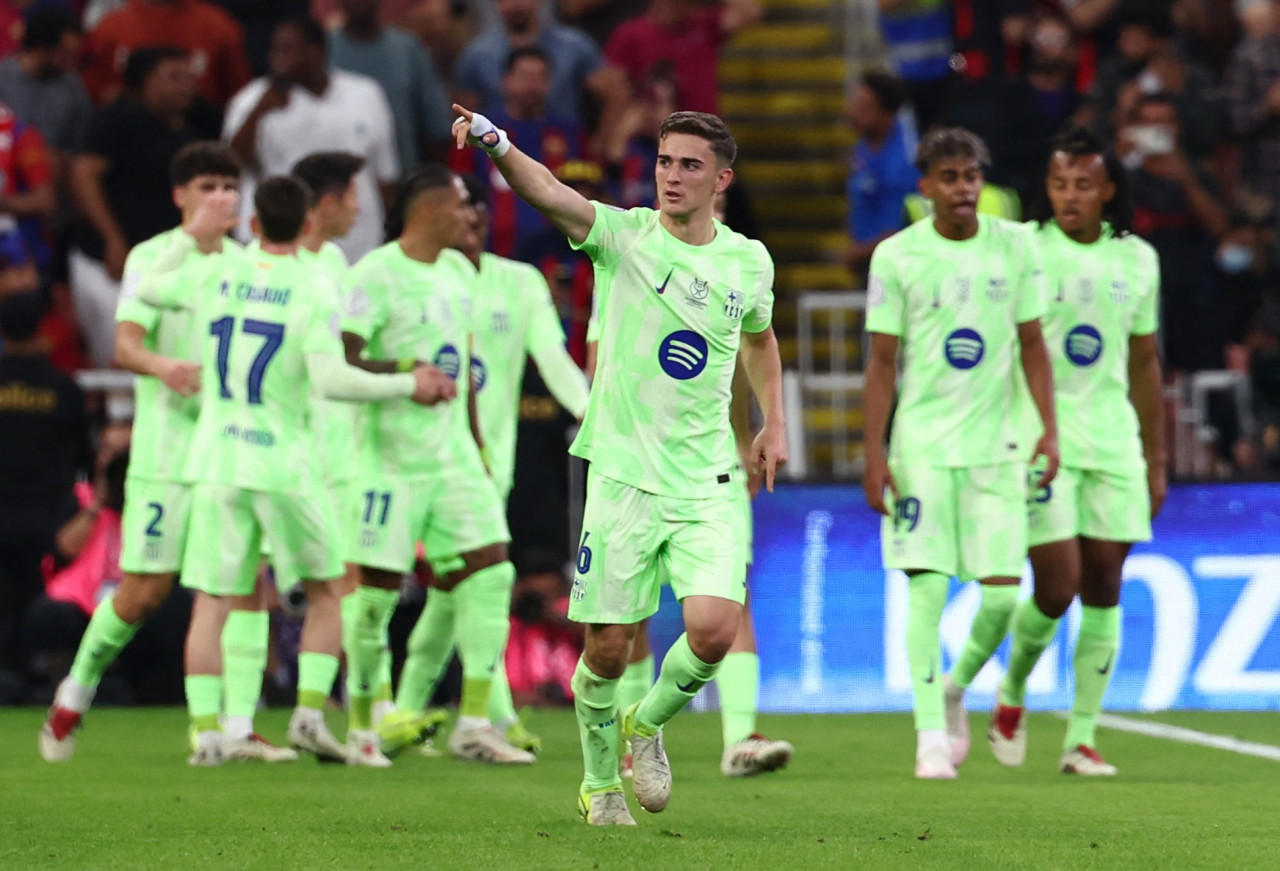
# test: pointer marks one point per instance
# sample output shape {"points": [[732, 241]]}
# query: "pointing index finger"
{"points": [[463, 111]]}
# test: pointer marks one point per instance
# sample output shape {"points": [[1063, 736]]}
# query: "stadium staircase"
{"points": [[783, 84]]}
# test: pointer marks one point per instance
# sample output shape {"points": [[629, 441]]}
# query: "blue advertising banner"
{"points": [[1201, 607]]}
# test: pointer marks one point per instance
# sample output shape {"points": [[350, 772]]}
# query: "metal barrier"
{"points": [[843, 312]]}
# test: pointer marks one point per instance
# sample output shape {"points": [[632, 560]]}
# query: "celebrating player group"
{"points": [[333, 420]]}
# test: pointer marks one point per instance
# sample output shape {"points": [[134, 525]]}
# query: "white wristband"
{"points": [[488, 137]]}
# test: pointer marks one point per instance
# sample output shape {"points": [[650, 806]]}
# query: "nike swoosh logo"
{"points": [[1110, 659], [661, 288], [692, 686], [932, 675]]}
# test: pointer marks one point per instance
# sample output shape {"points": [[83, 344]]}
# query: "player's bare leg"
{"points": [[1102, 565], [990, 626], [596, 680], [1056, 566], [711, 624], [203, 659], [114, 623], [746, 751]]}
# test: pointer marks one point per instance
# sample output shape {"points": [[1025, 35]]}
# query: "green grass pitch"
{"points": [[128, 800]]}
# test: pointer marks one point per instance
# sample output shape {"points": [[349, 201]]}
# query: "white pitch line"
{"points": [[1189, 736]]}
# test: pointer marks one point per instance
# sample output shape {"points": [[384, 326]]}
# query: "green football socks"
{"points": [[990, 626], [316, 674], [926, 597], [682, 675], [244, 659], [482, 624], [368, 640], [595, 702], [635, 683], [204, 700], [1095, 660], [106, 636], [1033, 631], [738, 681], [427, 653]]}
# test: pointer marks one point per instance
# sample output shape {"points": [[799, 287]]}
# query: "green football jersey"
{"points": [[512, 316], [1099, 296], [164, 421], [955, 307], [406, 309], [335, 421], [658, 417], [257, 320]]}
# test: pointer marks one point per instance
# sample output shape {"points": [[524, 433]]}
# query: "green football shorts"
{"points": [[229, 525], [632, 541], [1105, 505], [153, 529], [963, 522]]}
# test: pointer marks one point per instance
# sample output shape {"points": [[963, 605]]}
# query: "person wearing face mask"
{"points": [[1178, 209]]}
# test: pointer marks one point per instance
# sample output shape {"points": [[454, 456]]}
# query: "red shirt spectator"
{"points": [[11, 29], [687, 37], [213, 38], [26, 184]]}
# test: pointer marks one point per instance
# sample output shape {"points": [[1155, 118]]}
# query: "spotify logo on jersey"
{"points": [[479, 374], [1084, 345], [683, 355], [964, 348], [448, 361]]}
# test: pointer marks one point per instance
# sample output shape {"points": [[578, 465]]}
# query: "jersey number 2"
{"points": [[273, 335]]}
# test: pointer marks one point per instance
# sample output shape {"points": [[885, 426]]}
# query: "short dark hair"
{"points": [[890, 91], [476, 191], [430, 177], [1083, 142], [945, 143], [202, 158], [143, 61], [47, 24], [312, 31], [328, 172], [281, 203], [704, 126], [518, 54], [20, 315]]}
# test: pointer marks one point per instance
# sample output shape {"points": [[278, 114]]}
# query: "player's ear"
{"points": [[724, 179], [178, 197], [255, 226]]}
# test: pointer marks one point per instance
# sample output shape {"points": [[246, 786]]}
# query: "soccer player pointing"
{"points": [[1101, 333], [685, 293], [961, 295]]}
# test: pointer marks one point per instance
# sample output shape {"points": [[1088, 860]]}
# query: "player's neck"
{"points": [[1085, 235], [312, 241], [698, 228], [474, 257], [280, 249], [420, 248], [956, 231]]}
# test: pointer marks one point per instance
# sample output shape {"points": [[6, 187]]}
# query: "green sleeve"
{"points": [[1032, 295], [886, 299], [1148, 316], [760, 316], [611, 233], [366, 303], [543, 322]]}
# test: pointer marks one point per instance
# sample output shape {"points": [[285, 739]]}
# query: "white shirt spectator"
{"points": [[352, 115]]}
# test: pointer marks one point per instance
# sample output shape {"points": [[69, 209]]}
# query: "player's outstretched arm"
{"points": [[203, 231], [336, 379], [1145, 391], [764, 368], [563, 378], [569, 210], [877, 399], [181, 376], [1039, 372]]}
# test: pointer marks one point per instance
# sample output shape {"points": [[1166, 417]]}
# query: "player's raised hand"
{"points": [[180, 376], [1047, 447], [214, 217], [768, 453], [472, 128], [432, 386], [875, 480]]}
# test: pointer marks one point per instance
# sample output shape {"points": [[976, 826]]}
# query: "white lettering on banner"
{"points": [[1175, 616], [1225, 666], [813, 599], [957, 618]]}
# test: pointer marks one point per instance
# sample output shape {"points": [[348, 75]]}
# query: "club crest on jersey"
{"points": [[1086, 290], [964, 348], [997, 289], [698, 293], [962, 290], [448, 361], [733, 305], [358, 302], [1083, 345], [1119, 291], [683, 355], [479, 374]]}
